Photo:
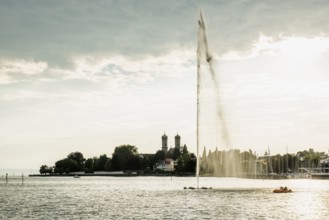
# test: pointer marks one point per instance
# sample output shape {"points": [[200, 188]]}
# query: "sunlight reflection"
{"points": [[298, 202]]}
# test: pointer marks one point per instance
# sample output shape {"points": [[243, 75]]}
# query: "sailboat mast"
{"points": [[287, 162]]}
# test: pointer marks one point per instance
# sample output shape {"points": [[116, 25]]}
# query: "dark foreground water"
{"points": [[161, 198]]}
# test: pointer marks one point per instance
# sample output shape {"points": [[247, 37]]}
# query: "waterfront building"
{"points": [[166, 165]]}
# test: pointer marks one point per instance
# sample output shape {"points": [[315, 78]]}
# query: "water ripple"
{"points": [[161, 198]]}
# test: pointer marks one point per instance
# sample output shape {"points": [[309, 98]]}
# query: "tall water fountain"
{"points": [[229, 163]]}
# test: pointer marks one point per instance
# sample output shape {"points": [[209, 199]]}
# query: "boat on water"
{"points": [[282, 190]]}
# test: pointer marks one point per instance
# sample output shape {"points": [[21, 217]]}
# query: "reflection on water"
{"points": [[161, 197]]}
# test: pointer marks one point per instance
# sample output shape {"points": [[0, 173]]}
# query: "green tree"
{"points": [[191, 166], [78, 158], [134, 163], [66, 165], [179, 168], [115, 163], [185, 151], [186, 158], [89, 165], [108, 165], [125, 158], [159, 156], [44, 169], [147, 162], [100, 162], [177, 153]]}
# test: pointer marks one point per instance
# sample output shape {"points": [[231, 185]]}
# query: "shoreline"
{"points": [[274, 177], [110, 175]]}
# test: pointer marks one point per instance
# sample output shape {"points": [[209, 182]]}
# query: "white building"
{"points": [[165, 165]]}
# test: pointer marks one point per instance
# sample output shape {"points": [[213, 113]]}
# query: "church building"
{"points": [[170, 152]]}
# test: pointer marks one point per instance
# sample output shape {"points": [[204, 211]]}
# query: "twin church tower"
{"points": [[165, 142]]}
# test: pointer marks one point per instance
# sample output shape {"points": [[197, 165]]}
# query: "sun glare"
{"points": [[293, 48], [300, 48]]}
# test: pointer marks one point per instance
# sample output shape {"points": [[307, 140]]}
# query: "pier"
{"points": [[317, 173], [7, 179]]}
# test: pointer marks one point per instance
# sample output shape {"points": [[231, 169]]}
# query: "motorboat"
{"points": [[282, 190]]}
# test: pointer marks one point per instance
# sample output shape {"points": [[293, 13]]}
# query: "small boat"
{"points": [[282, 190], [76, 176], [206, 187], [189, 187]]}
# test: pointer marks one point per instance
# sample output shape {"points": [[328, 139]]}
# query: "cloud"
{"points": [[121, 69], [96, 81], [296, 48], [4, 79], [57, 31], [72, 64], [241, 22], [13, 70], [22, 67]]}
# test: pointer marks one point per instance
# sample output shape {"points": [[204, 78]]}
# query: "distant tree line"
{"points": [[124, 158], [217, 163]]}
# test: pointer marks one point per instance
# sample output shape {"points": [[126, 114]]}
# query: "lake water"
{"points": [[161, 198]]}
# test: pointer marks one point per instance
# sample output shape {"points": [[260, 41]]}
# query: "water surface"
{"points": [[161, 198]]}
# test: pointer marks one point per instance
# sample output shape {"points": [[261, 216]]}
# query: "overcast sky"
{"points": [[91, 75]]}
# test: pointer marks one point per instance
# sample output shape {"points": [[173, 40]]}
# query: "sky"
{"points": [[92, 75]]}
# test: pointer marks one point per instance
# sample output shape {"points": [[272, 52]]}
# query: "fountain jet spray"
{"points": [[203, 54]]}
